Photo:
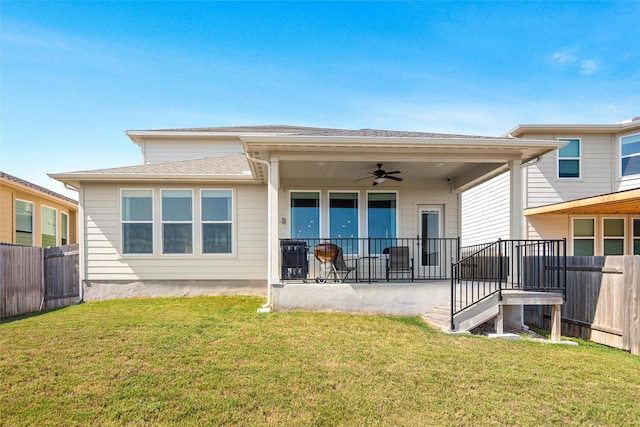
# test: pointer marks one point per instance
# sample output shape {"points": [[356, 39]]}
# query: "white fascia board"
{"points": [[77, 178], [573, 128], [315, 141]]}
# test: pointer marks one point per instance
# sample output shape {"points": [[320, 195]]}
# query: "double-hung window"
{"points": [[24, 223], [137, 221], [584, 236], [64, 228], [305, 215], [569, 159], [217, 221], [630, 155], [636, 236], [613, 236], [177, 222], [49, 226]]}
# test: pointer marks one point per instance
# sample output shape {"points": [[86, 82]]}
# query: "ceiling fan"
{"points": [[380, 175]]}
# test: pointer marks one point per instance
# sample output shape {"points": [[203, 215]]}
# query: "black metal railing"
{"points": [[368, 259], [484, 270]]}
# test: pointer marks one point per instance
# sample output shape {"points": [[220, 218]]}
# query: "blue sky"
{"points": [[75, 75]]}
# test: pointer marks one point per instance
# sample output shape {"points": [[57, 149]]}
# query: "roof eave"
{"points": [[76, 179], [64, 201], [520, 130]]}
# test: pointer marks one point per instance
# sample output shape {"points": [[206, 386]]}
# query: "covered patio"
{"points": [[323, 186]]}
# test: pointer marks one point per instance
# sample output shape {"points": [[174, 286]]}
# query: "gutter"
{"points": [[266, 308]]}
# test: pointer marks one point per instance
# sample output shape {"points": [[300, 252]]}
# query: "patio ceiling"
{"points": [[352, 170], [466, 161]]}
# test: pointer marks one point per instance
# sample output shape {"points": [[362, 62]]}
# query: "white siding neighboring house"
{"points": [[584, 192], [205, 211]]}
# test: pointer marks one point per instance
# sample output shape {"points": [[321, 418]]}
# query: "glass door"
{"points": [[430, 232]]}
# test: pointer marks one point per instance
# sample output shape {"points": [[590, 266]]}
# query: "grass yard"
{"points": [[215, 361]]}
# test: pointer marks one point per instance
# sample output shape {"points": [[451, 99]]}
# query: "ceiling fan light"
{"points": [[379, 180]]}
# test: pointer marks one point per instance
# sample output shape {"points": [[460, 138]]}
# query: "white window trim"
{"points": [[604, 238], [320, 210], [201, 222], [33, 219], [594, 237], [620, 157], [579, 159], [55, 227], [152, 222], [192, 222]]}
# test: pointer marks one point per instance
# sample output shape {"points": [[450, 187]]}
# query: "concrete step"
{"points": [[439, 317]]}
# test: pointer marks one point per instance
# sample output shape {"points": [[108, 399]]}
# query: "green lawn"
{"points": [[215, 361]]}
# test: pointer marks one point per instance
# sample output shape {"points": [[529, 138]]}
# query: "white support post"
{"points": [[516, 189], [499, 320], [272, 218], [556, 322]]}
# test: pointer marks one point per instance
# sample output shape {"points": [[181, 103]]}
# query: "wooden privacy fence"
{"points": [[32, 279], [602, 302]]}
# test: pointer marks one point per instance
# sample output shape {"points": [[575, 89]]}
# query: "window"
{"points": [[217, 214], [305, 215], [630, 155], [613, 236], [381, 218], [583, 237], [636, 236], [64, 229], [48, 227], [569, 159], [177, 225], [343, 220], [24, 223], [137, 221]]}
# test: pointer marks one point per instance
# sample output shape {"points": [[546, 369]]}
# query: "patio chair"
{"points": [[398, 261]]}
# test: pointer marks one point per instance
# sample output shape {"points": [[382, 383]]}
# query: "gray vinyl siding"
{"points": [[485, 212], [176, 150], [597, 173], [104, 261]]}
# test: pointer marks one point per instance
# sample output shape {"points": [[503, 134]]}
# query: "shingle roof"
{"points": [[212, 166], [315, 131], [36, 187]]}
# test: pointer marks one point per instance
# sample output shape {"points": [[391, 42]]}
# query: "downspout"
{"points": [[267, 306]]}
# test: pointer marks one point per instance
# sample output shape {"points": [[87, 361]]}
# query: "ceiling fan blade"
{"points": [[395, 178], [389, 173], [366, 177]]}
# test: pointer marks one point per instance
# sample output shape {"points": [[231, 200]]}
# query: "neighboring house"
{"points": [[587, 192], [206, 211], [32, 215]]}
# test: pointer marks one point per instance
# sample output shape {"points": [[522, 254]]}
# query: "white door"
{"points": [[430, 231]]}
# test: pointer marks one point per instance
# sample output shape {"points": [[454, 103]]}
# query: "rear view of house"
{"points": [[215, 210]]}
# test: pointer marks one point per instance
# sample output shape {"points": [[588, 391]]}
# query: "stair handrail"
{"points": [[455, 277]]}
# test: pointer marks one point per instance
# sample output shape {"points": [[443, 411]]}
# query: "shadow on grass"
{"points": [[28, 315]]}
